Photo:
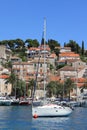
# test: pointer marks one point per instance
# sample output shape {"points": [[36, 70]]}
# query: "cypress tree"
{"points": [[64, 44], [82, 47]]}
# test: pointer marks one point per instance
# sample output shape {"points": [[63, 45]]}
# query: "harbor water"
{"points": [[20, 118]]}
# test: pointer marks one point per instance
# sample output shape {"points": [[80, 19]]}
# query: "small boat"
{"points": [[15, 102], [4, 101], [74, 103], [83, 100], [24, 102]]}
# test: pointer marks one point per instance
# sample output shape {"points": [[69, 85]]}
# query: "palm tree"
{"points": [[54, 88], [59, 90], [20, 88], [51, 88], [12, 78], [68, 86], [31, 86]]}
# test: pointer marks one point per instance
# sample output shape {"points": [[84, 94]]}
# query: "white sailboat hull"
{"points": [[51, 111]]}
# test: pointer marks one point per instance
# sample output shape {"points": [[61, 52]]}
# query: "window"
{"points": [[6, 87], [40, 65]]}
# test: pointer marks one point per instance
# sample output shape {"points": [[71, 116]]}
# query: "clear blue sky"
{"points": [[66, 20]]}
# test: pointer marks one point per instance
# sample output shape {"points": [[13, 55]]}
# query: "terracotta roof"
{"points": [[3, 76], [72, 60], [33, 48], [81, 80], [54, 78], [39, 48], [69, 54], [67, 68], [53, 55], [46, 47], [80, 85]]}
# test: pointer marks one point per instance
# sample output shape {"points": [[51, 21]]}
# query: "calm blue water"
{"points": [[19, 118]]}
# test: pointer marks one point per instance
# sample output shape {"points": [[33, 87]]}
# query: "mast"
{"points": [[76, 82], [35, 81], [44, 34], [44, 57], [76, 85]]}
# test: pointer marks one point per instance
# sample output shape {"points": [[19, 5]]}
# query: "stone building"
{"points": [[5, 53], [5, 88]]}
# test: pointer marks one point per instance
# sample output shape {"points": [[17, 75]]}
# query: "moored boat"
{"points": [[48, 110], [51, 110], [15, 102], [24, 102], [4, 101], [74, 103]]}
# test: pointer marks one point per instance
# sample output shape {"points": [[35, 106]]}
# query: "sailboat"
{"points": [[49, 110]]}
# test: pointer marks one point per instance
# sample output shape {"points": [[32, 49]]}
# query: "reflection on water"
{"points": [[77, 121], [15, 118], [50, 123], [20, 118]]}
